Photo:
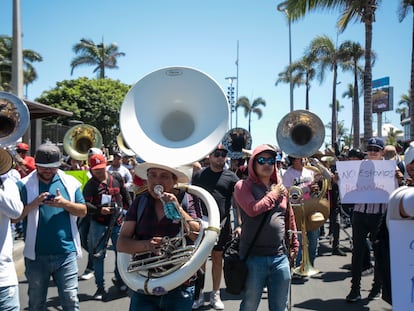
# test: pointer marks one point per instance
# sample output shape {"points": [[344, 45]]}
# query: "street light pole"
{"points": [[282, 7], [230, 98]]}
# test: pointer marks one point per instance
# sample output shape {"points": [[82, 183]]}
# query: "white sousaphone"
{"points": [[174, 116]]}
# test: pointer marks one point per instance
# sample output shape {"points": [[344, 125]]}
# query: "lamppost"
{"points": [[230, 98], [282, 7]]}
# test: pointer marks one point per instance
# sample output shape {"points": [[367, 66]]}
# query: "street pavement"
{"points": [[324, 291]]}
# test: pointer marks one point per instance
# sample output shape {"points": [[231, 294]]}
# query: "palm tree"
{"points": [[98, 55], [29, 57], [405, 7], [354, 52], [249, 109], [303, 72], [405, 104], [356, 10], [329, 58]]}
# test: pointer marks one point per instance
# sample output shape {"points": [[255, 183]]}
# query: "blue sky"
{"points": [[204, 35]]}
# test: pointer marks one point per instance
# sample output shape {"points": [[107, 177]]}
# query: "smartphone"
{"points": [[50, 197]]}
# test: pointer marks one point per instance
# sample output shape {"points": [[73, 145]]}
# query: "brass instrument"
{"points": [[14, 121], [123, 147], [236, 141], [300, 134], [79, 139], [297, 203], [173, 117]]}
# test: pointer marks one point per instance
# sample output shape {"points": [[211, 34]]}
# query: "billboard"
{"points": [[383, 99]]}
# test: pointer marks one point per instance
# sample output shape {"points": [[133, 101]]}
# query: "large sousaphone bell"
{"points": [[79, 139], [173, 117], [14, 119]]}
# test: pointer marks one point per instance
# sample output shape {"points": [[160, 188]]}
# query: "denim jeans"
{"points": [[270, 271], [9, 298], [313, 237], [84, 224], [64, 271], [96, 231], [178, 299]]}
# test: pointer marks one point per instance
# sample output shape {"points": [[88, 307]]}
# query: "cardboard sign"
{"points": [[366, 181], [402, 264]]}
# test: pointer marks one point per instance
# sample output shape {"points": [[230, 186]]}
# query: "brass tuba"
{"points": [[123, 147], [79, 139], [173, 117], [14, 119], [300, 134]]}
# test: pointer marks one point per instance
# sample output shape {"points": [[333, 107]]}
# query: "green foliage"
{"points": [[94, 101]]}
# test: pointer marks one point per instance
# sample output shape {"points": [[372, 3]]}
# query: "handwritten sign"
{"points": [[367, 181]]}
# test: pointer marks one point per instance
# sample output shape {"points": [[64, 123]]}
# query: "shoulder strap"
{"points": [[142, 204]]}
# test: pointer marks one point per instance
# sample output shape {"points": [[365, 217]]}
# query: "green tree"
{"points": [[404, 105], [251, 108], [329, 59], [303, 72], [94, 101], [29, 57], [405, 7], [100, 56], [354, 52], [351, 10]]}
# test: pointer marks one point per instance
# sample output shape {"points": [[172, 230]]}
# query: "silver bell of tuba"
{"points": [[173, 117]]}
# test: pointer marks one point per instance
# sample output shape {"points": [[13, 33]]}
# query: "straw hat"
{"points": [[181, 172], [6, 161]]}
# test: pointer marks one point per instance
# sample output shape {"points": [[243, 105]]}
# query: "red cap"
{"points": [[97, 161], [22, 146]]}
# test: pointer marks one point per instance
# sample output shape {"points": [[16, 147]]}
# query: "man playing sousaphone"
{"points": [[149, 221], [299, 175]]}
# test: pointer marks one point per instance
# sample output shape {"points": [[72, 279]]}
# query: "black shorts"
{"points": [[224, 237]]}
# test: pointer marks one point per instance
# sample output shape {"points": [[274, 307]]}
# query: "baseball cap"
{"points": [[22, 146], [376, 142], [48, 155], [97, 161]]}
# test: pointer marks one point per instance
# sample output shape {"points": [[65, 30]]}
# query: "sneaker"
{"points": [[353, 296], [338, 252], [375, 293], [87, 275], [199, 302], [215, 301], [100, 294], [368, 271]]}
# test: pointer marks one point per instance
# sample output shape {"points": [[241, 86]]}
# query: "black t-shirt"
{"points": [[220, 185]]}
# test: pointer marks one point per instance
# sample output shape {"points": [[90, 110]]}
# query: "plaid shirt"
{"points": [[149, 225]]}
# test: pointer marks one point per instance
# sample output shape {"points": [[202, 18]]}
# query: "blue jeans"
{"points": [[9, 298], [270, 271], [96, 231], [84, 224], [313, 237], [64, 271], [178, 299]]}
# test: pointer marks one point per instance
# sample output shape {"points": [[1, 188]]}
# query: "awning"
{"points": [[38, 110]]}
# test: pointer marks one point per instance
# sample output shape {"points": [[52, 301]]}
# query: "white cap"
{"points": [[94, 150]]}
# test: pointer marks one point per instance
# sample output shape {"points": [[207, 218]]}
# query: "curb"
{"points": [[18, 246]]}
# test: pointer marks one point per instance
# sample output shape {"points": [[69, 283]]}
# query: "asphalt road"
{"points": [[325, 291]]}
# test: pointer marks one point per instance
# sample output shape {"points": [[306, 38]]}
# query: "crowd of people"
{"points": [[74, 204]]}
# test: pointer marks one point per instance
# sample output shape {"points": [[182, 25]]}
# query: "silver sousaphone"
{"points": [[174, 116]]}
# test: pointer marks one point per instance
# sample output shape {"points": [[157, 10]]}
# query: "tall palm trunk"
{"points": [[412, 86], [368, 76], [355, 108], [334, 107]]}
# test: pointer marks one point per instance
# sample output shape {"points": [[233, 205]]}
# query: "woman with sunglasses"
{"points": [[262, 194]]}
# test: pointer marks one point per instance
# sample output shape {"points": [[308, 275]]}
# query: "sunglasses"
{"points": [[373, 149], [220, 153], [263, 161]]}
